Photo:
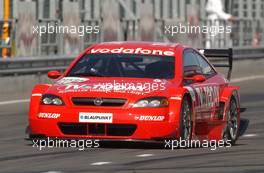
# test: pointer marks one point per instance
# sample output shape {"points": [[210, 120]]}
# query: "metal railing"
{"points": [[33, 65], [40, 65]]}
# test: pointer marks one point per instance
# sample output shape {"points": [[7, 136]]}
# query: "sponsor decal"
{"points": [[191, 92], [204, 96], [95, 117], [37, 94], [139, 88], [150, 118], [207, 96], [68, 80], [49, 115], [134, 51], [176, 98]]}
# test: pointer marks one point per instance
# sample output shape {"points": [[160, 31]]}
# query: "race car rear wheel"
{"points": [[232, 126], [186, 119]]}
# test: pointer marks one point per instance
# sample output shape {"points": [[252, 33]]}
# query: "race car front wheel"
{"points": [[186, 119], [232, 126]]}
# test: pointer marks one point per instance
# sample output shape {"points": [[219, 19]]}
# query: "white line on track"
{"points": [[249, 135], [100, 163], [53, 172], [14, 101], [145, 155], [235, 80]]}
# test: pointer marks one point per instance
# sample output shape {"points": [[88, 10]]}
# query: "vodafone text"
{"points": [[134, 51]]}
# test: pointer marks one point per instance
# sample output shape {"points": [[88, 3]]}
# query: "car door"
{"points": [[206, 93], [216, 83]]}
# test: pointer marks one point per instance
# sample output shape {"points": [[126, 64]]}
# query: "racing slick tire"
{"points": [[186, 119], [231, 132]]}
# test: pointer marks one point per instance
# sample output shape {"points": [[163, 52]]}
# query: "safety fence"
{"points": [[245, 33], [121, 20]]}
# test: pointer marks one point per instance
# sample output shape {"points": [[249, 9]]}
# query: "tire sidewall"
{"points": [[227, 130], [184, 100]]}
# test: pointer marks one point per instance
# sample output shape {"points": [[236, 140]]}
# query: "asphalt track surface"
{"points": [[18, 155]]}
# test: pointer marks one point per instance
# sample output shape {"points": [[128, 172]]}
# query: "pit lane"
{"points": [[18, 155]]}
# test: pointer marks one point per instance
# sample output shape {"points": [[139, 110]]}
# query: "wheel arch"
{"points": [[176, 99], [190, 94], [228, 93]]}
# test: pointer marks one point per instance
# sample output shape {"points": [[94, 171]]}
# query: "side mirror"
{"points": [[54, 74], [196, 78]]}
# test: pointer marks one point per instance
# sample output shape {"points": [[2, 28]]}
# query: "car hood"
{"points": [[110, 87]]}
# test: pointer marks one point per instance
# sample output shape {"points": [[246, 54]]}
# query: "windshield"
{"points": [[125, 65]]}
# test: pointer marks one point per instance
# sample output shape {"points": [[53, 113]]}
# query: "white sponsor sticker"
{"points": [[175, 98], [95, 117], [149, 118], [36, 94], [48, 115], [69, 80]]}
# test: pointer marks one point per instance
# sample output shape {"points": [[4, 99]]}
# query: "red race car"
{"points": [[139, 91]]}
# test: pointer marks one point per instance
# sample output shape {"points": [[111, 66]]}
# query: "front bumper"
{"points": [[125, 124]]}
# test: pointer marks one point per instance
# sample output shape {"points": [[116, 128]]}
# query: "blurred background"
{"points": [[126, 20]]}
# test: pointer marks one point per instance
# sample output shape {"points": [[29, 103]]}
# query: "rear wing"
{"points": [[220, 58]]}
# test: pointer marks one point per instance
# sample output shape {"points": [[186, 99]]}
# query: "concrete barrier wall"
{"points": [[19, 87]]}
